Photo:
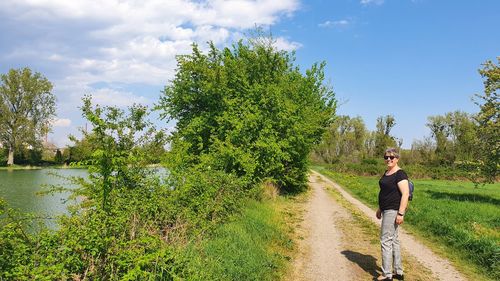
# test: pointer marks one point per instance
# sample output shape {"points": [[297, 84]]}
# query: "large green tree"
{"points": [[27, 106], [247, 110], [488, 134]]}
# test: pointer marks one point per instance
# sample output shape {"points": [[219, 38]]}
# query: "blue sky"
{"points": [[407, 58]]}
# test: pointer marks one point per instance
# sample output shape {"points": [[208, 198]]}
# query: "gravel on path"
{"points": [[321, 257]]}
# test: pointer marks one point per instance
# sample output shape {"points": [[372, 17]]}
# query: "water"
{"points": [[19, 188]]}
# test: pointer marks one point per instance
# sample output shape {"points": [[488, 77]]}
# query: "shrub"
{"points": [[247, 111]]}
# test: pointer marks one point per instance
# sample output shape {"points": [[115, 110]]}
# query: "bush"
{"points": [[247, 111], [131, 225]]}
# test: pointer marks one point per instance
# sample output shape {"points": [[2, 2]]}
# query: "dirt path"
{"points": [[320, 251], [336, 245]]}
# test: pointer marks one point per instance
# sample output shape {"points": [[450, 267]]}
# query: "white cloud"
{"points": [[111, 97], [133, 41], [338, 23], [243, 13], [370, 2], [150, 14], [89, 47], [55, 57], [126, 70], [61, 122], [285, 45]]}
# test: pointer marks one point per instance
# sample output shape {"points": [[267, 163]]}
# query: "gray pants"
{"points": [[391, 248]]}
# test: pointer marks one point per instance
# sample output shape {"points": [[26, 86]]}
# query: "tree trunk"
{"points": [[10, 160]]}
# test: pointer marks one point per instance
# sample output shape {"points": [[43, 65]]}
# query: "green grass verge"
{"points": [[253, 246], [455, 215]]}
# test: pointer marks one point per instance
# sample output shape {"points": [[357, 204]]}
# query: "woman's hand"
{"points": [[399, 219], [378, 214]]}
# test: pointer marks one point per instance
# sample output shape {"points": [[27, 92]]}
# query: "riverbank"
{"points": [[65, 166], [18, 167], [29, 167]]}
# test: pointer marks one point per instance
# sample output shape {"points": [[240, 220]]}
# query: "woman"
{"points": [[392, 200]]}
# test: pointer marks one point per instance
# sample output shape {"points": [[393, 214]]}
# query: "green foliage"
{"points": [[455, 135], [440, 131], [347, 141], [205, 198], [441, 211], [81, 150], [14, 242], [129, 223], [116, 230], [347, 147], [241, 248], [344, 139], [3, 156], [26, 108], [58, 157], [373, 167], [244, 116], [368, 167], [383, 139], [26, 156], [247, 111], [489, 123]]}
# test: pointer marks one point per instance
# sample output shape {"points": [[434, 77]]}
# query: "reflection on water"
{"points": [[19, 188]]}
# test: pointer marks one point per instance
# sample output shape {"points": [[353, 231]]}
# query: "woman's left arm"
{"points": [[405, 193]]}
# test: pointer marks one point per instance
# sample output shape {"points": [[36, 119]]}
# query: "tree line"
{"points": [[463, 144], [452, 139]]}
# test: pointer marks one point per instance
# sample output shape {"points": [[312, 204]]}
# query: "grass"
{"points": [[455, 216], [254, 246]]}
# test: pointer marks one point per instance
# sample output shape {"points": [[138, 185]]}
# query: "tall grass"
{"points": [[464, 219], [251, 247]]}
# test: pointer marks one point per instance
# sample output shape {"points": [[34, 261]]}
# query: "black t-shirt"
{"points": [[389, 196]]}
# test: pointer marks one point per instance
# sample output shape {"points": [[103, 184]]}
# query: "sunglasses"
{"points": [[389, 157]]}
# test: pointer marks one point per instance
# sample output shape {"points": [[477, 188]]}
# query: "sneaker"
{"points": [[382, 278]]}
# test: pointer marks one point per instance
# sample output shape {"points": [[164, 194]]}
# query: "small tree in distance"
{"points": [[383, 139]]}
